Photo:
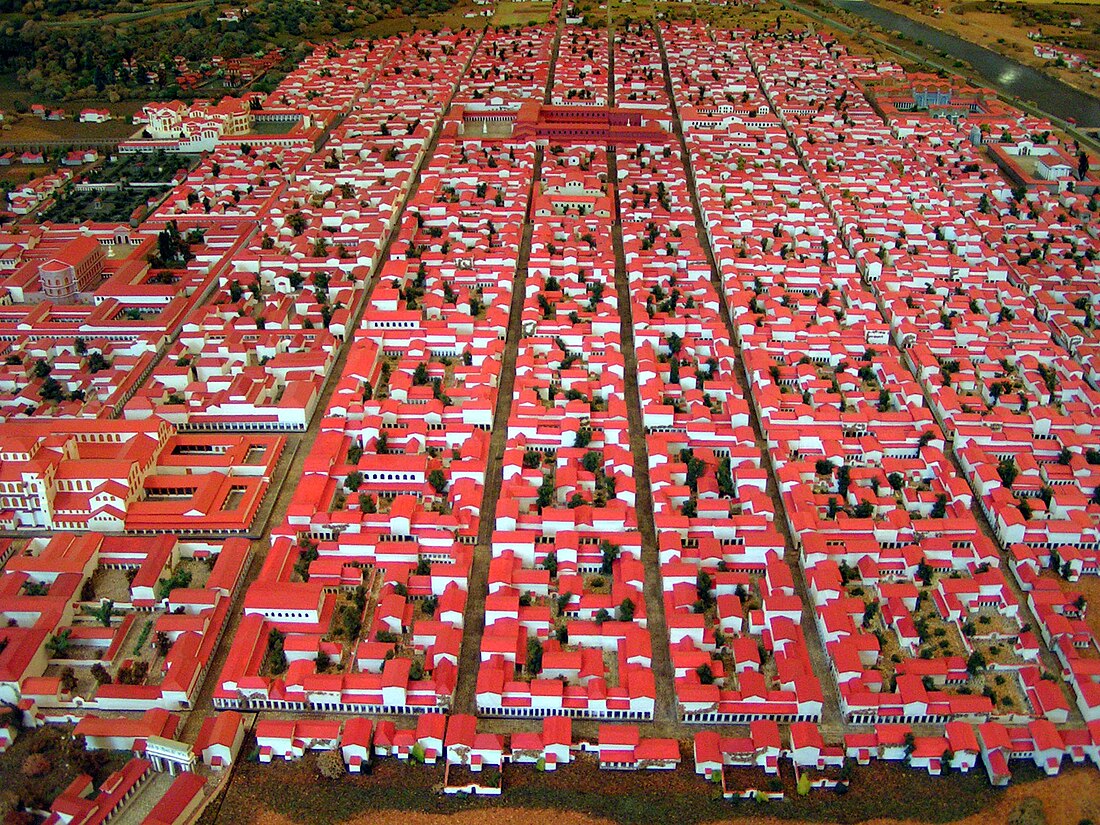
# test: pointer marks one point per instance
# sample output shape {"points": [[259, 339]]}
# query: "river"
{"points": [[1002, 73]]}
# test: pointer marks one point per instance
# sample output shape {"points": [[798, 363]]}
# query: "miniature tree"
{"points": [[703, 585], [67, 679], [51, 390], [869, 614], [100, 674], [545, 493], [534, 656], [924, 573], [725, 478], [975, 662], [104, 612], [609, 552], [36, 765], [330, 764], [910, 744], [591, 461], [133, 674], [58, 645], [351, 622], [181, 577], [275, 656], [297, 222], [1008, 471], [843, 480], [626, 611], [438, 481]]}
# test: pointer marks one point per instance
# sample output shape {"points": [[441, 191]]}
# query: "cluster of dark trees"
{"points": [[101, 57]]}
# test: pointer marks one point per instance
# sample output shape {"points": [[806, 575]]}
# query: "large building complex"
{"points": [[676, 375]]}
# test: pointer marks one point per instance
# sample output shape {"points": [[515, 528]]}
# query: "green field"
{"points": [[27, 128], [624, 10], [164, 10], [454, 18], [512, 13]]}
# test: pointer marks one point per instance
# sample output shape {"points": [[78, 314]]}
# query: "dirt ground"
{"points": [[1090, 587], [1066, 799], [412, 792], [28, 129]]}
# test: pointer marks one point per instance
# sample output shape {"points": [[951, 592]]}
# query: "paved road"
{"points": [[611, 67]]}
